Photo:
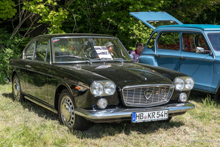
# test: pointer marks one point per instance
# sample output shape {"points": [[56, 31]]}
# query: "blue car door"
{"points": [[196, 60], [168, 50]]}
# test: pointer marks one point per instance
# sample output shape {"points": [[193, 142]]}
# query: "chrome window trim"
{"points": [[83, 37]]}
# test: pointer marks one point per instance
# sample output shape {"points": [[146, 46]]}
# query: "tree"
{"points": [[7, 9], [111, 17], [190, 11], [48, 13]]}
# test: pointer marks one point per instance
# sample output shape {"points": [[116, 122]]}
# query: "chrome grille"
{"points": [[147, 95]]}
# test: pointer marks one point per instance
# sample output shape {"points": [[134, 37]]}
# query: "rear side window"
{"points": [[151, 41], [169, 41], [29, 51], [42, 51], [193, 41]]}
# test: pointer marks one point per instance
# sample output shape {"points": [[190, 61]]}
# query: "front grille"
{"points": [[147, 95]]}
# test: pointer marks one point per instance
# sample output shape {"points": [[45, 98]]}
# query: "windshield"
{"points": [[88, 49], [215, 40]]}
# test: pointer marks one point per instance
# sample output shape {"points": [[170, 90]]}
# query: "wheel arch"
{"points": [[13, 74], [59, 89]]}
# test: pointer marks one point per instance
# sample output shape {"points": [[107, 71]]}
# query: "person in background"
{"points": [[137, 52], [110, 47]]}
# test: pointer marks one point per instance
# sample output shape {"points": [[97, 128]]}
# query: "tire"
{"points": [[16, 89], [66, 113]]}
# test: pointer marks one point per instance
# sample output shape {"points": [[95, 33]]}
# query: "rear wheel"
{"points": [[16, 89], [67, 115]]}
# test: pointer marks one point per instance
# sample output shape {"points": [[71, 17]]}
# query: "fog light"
{"points": [[102, 103], [182, 97]]}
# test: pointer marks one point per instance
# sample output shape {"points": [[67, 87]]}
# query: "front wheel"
{"points": [[16, 89], [67, 115]]}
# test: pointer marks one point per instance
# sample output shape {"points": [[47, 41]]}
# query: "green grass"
{"points": [[26, 124]]}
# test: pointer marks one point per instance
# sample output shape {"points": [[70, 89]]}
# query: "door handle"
{"points": [[181, 58], [27, 66]]}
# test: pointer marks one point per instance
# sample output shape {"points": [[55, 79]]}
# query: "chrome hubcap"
{"points": [[67, 111], [16, 89]]}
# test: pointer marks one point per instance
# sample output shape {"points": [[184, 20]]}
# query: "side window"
{"points": [[194, 42], [42, 51], [29, 51], [169, 40], [150, 44]]}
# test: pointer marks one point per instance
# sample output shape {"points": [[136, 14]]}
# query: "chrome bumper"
{"points": [[120, 114]]}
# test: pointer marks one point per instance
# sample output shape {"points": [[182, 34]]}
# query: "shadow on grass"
{"points": [[8, 95], [199, 97], [30, 106], [103, 130]]}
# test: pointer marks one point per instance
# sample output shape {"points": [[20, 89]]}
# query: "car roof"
{"points": [[205, 27], [73, 34]]}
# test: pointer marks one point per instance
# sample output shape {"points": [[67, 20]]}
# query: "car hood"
{"points": [[125, 73]]}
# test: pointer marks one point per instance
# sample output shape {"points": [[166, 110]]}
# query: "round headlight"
{"points": [[97, 89], [189, 83], [102, 103], [179, 84], [109, 88], [182, 97]]}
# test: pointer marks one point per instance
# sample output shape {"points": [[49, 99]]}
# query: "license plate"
{"points": [[149, 116]]}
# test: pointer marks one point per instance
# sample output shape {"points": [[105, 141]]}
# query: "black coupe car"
{"points": [[65, 74]]}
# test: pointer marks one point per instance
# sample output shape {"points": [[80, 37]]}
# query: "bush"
{"points": [[9, 48]]}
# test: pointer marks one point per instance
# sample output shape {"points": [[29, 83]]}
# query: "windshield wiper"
{"points": [[118, 59]]}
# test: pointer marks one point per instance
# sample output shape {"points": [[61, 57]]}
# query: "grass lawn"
{"points": [[26, 124]]}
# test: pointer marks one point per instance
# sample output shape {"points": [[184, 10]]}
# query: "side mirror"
{"points": [[200, 50]]}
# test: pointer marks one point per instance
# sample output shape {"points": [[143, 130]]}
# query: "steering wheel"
{"points": [[113, 53], [93, 54]]}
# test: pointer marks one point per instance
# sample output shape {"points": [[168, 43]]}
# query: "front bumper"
{"points": [[123, 114]]}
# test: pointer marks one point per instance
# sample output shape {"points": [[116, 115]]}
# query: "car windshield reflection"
{"points": [[68, 50]]}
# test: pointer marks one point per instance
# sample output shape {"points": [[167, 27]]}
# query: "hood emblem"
{"points": [[148, 94]]}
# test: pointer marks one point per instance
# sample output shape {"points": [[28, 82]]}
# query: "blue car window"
{"points": [[215, 40], [169, 40], [193, 41]]}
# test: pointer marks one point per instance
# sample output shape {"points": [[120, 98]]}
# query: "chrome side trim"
{"points": [[42, 105], [120, 113]]}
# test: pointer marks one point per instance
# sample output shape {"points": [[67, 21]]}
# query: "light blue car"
{"points": [[193, 49]]}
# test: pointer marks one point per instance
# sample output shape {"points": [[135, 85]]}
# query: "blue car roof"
{"points": [[205, 27]]}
